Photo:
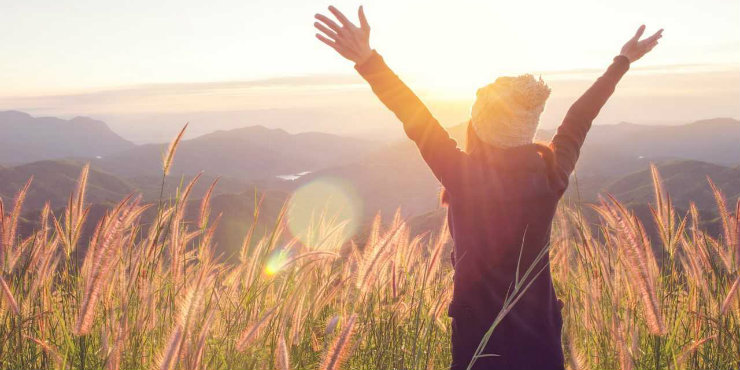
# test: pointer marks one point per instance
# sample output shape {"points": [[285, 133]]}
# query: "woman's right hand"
{"points": [[635, 48], [348, 40]]}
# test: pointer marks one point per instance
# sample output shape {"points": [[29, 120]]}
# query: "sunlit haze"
{"points": [[147, 67]]}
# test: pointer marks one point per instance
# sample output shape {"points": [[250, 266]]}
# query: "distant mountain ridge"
{"points": [[247, 153], [24, 138], [613, 150], [714, 140], [686, 182], [614, 159]]}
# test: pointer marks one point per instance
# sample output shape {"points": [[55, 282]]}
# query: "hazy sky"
{"points": [[136, 63]]}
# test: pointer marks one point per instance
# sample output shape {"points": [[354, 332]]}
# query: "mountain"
{"points": [[685, 181], [247, 153], [54, 181], [714, 140], [25, 139], [237, 216], [623, 148], [151, 186], [385, 180]]}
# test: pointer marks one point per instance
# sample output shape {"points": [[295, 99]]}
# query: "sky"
{"points": [[148, 66]]}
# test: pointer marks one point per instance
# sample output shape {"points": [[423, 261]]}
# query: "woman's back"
{"points": [[499, 215]]}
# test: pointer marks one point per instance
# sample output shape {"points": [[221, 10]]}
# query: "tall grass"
{"points": [[155, 296]]}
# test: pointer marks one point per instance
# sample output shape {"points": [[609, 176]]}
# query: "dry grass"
{"points": [[153, 296]]}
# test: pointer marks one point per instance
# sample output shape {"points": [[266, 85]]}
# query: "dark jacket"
{"points": [[500, 204]]}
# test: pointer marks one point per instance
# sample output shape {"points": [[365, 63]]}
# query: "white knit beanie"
{"points": [[506, 113]]}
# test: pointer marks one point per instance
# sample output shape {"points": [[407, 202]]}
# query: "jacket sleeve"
{"points": [[437, 148], [567, 142]]}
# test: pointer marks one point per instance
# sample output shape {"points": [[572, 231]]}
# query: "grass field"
{"points": [[155, 296]]}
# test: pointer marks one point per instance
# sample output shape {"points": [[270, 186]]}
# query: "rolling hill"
{"points": [[685, 181], [25, 139], [247, 153], [615, 150], [394, 177], [54, 181], [713, 140]]}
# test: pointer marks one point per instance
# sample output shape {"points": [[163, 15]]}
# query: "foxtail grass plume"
{"points": [[340, 349], [250, 334], [731, 296], [169, 155], [9, 295], [282, 361]]}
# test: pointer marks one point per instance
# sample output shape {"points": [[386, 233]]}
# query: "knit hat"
{"points": [[506, 113]]}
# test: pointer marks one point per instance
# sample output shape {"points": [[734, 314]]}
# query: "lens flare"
{"points": [[323, 211], [276, 261]]}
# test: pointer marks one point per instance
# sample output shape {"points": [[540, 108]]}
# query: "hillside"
{"points": [[54, 181], [615, 150], [713, 140], [247, 153], [237, 216], [686, 181], [150, 186], [25, 139], [393, 177]]}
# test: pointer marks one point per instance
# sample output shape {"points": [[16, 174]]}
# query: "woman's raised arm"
{"points": [[437, 148], [567, 142]]}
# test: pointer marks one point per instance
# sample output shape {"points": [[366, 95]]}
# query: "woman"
{"points": [[501, 194]]}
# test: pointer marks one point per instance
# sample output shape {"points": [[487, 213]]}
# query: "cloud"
{"points": [[676, 93], [656, 69], [192, 96], [279, 92]]}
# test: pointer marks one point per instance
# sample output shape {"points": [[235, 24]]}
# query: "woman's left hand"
{"points": [[348, 40], [635, 48]]}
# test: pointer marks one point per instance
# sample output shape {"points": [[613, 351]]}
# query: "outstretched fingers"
{"points": [[635, 48], [655, 36], [340, 16], [339, 46], [325, 40], [328, 22], [651, 45], [331, 34], [348, 40]]}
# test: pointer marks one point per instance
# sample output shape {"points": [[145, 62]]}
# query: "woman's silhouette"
{"points": [[501, 193]]}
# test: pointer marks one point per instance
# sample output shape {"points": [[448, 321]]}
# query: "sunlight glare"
{"points": [[326, 208], [277, 260]]}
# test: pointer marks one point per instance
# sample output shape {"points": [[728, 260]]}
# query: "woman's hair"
{"points": [[474, 144], [472, 141]]}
